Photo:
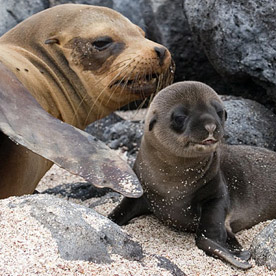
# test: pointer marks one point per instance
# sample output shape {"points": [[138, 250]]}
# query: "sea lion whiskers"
{"points": [[121, 81], [102, 91], [104, 77], [121, 89], [114, 90]]}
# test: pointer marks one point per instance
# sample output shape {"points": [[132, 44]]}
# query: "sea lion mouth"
{"points": [[205, 143], [209, 141], [146, 86]]}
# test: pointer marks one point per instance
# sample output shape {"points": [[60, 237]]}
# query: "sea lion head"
{"points": [[186, 119], [97, 52], [111, 55]]}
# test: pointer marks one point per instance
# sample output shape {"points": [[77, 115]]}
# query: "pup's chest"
{"points": [[174, 205]]}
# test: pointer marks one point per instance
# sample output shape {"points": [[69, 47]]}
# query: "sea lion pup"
{"points": [[80, 63], [192, 181]]}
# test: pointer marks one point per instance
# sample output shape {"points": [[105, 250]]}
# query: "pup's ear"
{"points": [[225, 115], [152, 122]]}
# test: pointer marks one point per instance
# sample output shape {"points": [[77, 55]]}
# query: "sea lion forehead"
{"points": [[188, 93], [98, 20]]}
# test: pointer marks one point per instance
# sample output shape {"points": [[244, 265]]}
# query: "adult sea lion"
{"points": [[78, 63], [192, 181]]}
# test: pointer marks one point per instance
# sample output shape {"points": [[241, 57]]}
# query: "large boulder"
{"points": [[238, 38], [78, 232], [249, 123]]}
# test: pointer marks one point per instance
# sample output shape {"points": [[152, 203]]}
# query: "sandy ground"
{"points": [[155, 238]]}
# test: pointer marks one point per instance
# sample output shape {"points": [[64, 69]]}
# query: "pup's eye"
{"points": [[177, 121], [178, 118], [102, 43]]}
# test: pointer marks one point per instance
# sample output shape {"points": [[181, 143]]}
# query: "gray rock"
{"points": [[13, 12], [238, 38], [249, 123], [263, 247], [98, 128], [166, 23], [169, 266], [132, 10], [80, 232], [124, 134], [118, 133]]}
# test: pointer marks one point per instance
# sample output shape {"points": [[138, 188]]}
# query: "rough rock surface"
{"points": [[263, 247], [238, 38], [249, 123], [119, 134], [13, 12], [80, 233]]}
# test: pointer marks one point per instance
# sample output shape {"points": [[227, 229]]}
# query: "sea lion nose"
{"points": [[210, 127], [161, 53]]}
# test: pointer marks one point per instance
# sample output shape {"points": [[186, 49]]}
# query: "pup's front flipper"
{"points": [[211, 235], [235, 247], [216, 250], [128, 209]]}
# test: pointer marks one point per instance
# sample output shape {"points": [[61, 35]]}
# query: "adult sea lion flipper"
{"points": [[25, 122]]}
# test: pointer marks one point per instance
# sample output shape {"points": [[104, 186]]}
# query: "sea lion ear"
{"points": [[152, 122], [52, 40], [225, 115]]}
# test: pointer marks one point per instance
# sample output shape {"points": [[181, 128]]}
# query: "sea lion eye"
{"points": [[101, 43], [178, 119]]}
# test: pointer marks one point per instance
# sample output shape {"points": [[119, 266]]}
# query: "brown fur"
{"points": [[53, 54]]}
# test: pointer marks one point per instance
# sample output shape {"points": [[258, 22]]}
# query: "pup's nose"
{"points": [[161, 53], [210, 128]]}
